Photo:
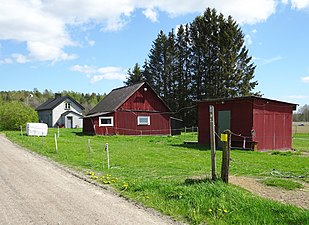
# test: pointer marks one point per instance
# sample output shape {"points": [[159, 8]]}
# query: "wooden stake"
{"points": [[212, 142], [56, 143], [89, 148], [21, 130], [107, 155], [226, 157]]}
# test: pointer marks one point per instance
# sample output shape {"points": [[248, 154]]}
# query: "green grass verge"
{"points": [[163, 173], [282, 183]]}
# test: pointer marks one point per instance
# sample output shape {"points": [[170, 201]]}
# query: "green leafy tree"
{"points": [[16, 114]]}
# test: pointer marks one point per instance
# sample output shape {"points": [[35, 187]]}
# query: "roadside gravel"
{"points": [[37, 191]]}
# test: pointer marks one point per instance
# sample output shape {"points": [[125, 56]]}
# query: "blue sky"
{"points": [[88, 45]]}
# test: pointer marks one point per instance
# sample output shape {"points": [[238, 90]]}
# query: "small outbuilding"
{"points": [[132, 110], [256, 123]]}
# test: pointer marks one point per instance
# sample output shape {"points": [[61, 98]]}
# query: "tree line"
{"points": [[204, 59], [302, 114], [18, 107], [35, 98]]}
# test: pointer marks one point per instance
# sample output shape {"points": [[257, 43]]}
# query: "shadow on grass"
{"points": [[199, 180], [81, 134], [193, 146]]}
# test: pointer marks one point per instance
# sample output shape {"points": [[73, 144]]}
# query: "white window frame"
{"points": [[142, 123], [67, 105], [106, 118]]}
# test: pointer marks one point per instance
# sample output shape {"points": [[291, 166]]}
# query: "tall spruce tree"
{"points": [[134, 76], [205, 59]]}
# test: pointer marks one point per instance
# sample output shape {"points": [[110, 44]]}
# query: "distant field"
{"points": [[163, 173], [300, 127]]}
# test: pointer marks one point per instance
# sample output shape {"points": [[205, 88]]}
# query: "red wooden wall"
{"points": [[270, 120], [144, 102]]}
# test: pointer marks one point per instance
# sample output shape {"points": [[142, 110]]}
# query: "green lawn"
{"points": [[163, 173]]}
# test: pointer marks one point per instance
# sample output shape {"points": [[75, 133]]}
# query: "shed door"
{"points": [[224, 122]]}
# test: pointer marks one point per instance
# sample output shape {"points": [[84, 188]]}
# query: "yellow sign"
{"points": [[224, 137]]}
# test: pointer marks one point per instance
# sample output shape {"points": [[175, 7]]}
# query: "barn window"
{"points": [[143, 120], [107, 121]]}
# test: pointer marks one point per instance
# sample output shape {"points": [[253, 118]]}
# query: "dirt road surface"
{"points": [[36, 191]]}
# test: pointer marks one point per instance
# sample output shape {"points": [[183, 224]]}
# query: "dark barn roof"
{"points": [[54, 102], [117, 97]]}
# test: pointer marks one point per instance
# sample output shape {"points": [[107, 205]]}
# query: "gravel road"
{"points": [[36, 191]]}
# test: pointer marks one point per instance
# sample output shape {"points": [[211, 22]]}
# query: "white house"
{"points": [[62, 111]]}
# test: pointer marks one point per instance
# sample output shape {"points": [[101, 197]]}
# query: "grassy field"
{"points": [[163, 173]]}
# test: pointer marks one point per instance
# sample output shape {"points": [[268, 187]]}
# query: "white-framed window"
{"points": [[67, 105], [106, 121], [143, 120]]}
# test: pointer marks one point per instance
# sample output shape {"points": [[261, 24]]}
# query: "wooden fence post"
{"points": [[226, 156], [56, 143], [89, 150], [107, 155], [212, 142]]}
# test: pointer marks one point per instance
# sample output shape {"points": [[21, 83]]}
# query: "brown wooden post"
{"points": [[226, 157]]}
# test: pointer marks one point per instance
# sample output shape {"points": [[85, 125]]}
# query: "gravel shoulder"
{"points": [[299, 198], [37, 191]]}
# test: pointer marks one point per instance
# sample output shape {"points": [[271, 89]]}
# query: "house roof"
{"points": [[117, 97], [247, 98], [54, 102]]}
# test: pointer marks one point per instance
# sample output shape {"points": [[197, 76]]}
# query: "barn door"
{"points": [[224, 122]]}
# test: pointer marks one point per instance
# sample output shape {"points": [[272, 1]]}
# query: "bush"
{"points": [[16, 114]]}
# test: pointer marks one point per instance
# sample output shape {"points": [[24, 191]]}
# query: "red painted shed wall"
{"points": [[272, 124], [143, 102], [271, 121], [241, 119]]}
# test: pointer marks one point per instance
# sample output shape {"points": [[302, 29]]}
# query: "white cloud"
{"points": [[83, 69], [248, 39], [298, 96], [43, 25], [300, 4], [151, 14], [268, 60], [97, 74], [20, 58], [305, 79], [6, 61]]}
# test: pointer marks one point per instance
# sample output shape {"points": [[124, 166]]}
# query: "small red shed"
{"points": [[257, 123], [130, 110]]}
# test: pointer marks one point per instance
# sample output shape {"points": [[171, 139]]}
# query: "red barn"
{"points": [[130, 110], [257, 123]]}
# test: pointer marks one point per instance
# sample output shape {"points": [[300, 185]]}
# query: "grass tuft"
{"points": [[282, 183]]}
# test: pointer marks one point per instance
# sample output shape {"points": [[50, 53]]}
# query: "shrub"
{"points": [[16, 114]]}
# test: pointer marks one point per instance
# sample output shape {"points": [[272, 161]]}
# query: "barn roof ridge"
{"points": [[244, 97]]}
